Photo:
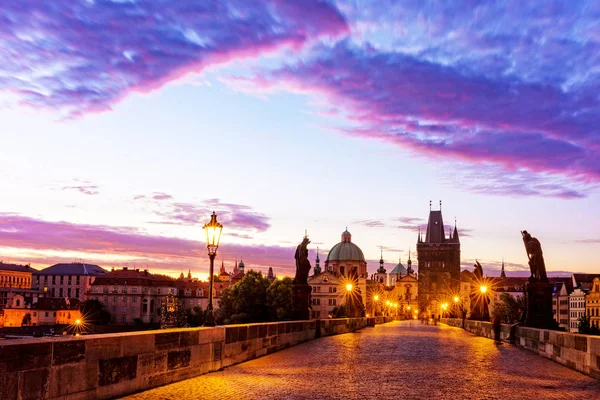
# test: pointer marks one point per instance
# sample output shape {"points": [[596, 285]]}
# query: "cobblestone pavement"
{"points": [[399, 360]]}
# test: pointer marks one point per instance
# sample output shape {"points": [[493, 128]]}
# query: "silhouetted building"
{"points": [[439, 262], [67, 280]]}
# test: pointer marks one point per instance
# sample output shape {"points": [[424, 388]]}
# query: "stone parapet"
{"points": [[579, 352], [112, 365]]}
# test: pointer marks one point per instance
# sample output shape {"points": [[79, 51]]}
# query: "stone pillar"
{"points": [[539, 305], [301, 294]]}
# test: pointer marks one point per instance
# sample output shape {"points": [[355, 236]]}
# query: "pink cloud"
{"points": [[107, 242], [161, 196]]}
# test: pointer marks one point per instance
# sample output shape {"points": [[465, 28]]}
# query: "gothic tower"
{"points": [[439, 262]]}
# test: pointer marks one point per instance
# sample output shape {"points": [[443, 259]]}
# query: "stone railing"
{"points": [[111, 365], [579, 352]]}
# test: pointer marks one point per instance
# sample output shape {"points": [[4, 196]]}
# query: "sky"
{"points": [[125, 123]]}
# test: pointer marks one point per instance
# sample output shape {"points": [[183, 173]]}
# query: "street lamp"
{"points": [[375, 300], [213, 236], [349, 287], [483, 289]]}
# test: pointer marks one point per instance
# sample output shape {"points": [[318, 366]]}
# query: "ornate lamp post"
{"points": [[213, 236]]}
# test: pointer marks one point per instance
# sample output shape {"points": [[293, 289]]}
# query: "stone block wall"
{"points": [[106, 366], [579, 352]]}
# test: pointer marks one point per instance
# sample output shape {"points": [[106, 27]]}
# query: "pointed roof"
{"points": [[435, 228], [502, 273]]}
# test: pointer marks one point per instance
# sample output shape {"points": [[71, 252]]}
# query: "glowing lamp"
{"points": [[349, 287], [376, 298], [483, 289], [213, 234], [456, 299]]}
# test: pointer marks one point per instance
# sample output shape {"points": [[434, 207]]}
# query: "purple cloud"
{"points": [[370, 223], [84, 56], [160, 196], [233, 216], [107, 243], [451, 112], [86, 189]]}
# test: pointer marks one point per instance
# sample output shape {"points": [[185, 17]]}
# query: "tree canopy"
{"points": [[255, 299]]}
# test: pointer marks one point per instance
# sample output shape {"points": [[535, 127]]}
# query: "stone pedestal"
{"points": [[301, 294], [539, 305]]}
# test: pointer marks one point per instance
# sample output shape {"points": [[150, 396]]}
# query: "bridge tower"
{"points": [[438, 256]]}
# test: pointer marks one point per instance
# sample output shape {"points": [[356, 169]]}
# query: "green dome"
{"points": [[346, 251]]}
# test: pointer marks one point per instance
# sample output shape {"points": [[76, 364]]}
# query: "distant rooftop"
{"points": [[16, 268], [75, 268]]}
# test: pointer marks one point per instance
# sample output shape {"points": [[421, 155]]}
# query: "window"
{"points": [[123, 309], [54, 279], [188, 292], [62, 279], [69, 280], [114, 309], [69, 292], [158, 291], [19, 303], [123, 299], [77, 280], [105, 290], [134, 299], [105, 299], [124, 290], [114, 299], [133, 309], [54, 314], [46, 313], [34, 314], [134, 290], [191, 302], [60, 292], [77, 293]]}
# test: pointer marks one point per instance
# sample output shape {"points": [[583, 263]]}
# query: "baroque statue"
{"points": [[478, 271], [536, 258], [302, 263]]}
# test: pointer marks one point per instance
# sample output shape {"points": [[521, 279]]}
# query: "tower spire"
{"points": [[502, 273]]}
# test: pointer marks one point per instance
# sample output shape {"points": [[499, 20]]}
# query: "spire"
{"points": [[317, 268], [409, 269], [502, 274], [381, 269], [189, 274], [455, 236]]}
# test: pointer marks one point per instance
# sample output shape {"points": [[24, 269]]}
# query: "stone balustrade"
{"points": [[111, 365], [579, 352]]}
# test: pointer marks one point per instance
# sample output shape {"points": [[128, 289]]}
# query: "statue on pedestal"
{"points": [[539, 290], [300, 288]]}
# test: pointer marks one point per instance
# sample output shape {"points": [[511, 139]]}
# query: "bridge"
{"points": [[395, 360]]}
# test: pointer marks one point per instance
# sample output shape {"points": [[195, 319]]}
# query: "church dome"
{"points": [[346, 250]]}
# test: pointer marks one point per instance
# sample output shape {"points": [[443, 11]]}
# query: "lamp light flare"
{"points": [[349, 287], [376, 298], [456, 299], [483, 289]]}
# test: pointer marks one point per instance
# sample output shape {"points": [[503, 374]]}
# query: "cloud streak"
{"points": [[84, 56], [111, 244]]}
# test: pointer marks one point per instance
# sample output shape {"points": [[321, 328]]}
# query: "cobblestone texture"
{"points": [[396, 360]]}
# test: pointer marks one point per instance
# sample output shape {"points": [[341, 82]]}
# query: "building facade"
{"points": [[592, 303], [439, 263], [346, 259], [576, 309], [67, 280], [130, 295], [45, 311], [16, 276]]}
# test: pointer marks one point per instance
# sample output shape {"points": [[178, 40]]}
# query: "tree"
{"points": [[195, 316], [246, 301], [280, 299], [508, 308], [339, 311], [26, 320], [94, 312], [585, 327]]}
